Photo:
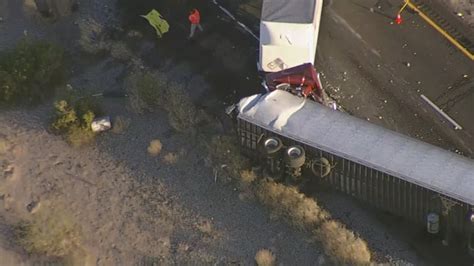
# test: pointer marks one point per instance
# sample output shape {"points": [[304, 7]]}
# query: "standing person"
{"points": [[195, 19]]}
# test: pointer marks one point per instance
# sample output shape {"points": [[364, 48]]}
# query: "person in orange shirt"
{"points": [[195, 19]]}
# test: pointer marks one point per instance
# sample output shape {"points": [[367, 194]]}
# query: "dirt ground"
{"points": [[135, 209]]}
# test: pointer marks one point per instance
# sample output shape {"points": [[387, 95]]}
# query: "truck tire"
{"points": [[321, 167], [295, 156], [271, 146]]}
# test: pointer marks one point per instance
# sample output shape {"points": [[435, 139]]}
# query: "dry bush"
{"points": [[120, 124], [247, 177], [50, 233], [30, 71], [182, 113], [224, 150], [91, 36], [120, 51], [339, 243], [155, 147], [342, 245], [265, 257], [73, 118], [204, 227], [79, 136], [171, 158], [146, 90], [293, 205]]}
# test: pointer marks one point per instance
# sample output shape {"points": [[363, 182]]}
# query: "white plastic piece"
{"points": [[101, 124]]}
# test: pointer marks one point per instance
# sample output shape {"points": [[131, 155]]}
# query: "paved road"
{"points": [[382, 51]]}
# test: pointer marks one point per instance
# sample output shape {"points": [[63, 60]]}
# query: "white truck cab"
{"points": [[288, 33]]}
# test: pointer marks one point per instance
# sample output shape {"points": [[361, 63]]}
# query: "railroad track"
{"points": [[464, 40]]}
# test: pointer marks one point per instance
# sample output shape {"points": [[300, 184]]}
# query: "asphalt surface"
{"points": [[383, 50]]}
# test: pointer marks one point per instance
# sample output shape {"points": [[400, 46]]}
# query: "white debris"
{"points": [[101, 124], [465, 76], [385, 101], [380, 117], [408, 64], [418, 82]]}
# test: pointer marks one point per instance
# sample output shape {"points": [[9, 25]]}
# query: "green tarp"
{"points": [[158, 22]]}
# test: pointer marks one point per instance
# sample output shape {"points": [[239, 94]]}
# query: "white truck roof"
{"points": [[290, 11], [362, 142]]}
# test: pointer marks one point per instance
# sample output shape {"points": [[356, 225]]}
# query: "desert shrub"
{"points": [[120, 51], [265, 257], [120, 124], [182, 113], [91, 36], [171, 158], [30, 71], [291, 204], [247, 176], [73, 118], [341, 244], [146, 90], [51, 234], [154, 148], [205, 227], [224, 150]]}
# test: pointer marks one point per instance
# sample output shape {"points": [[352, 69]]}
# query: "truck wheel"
{"points": [[321, 167], [295, 156], [271, 146]]}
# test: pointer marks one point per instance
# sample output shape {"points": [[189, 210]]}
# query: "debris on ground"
{"points": [[101, 124]]}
